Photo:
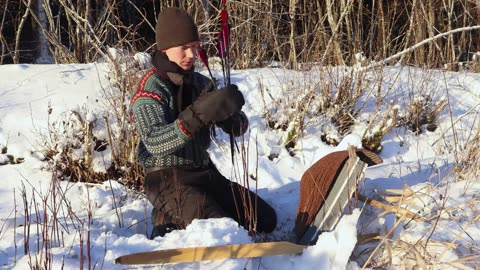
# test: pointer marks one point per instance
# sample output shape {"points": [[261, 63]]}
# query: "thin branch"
{"points": [[420, 44]]}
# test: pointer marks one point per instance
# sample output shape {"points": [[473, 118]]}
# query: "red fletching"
{"points": [[203, 56], [224, 17], [224, 2], [226, 37], [220, 50], [220, 36], [221, 45]]}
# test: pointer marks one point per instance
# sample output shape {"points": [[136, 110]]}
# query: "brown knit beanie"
{"points": [[175, 27]]}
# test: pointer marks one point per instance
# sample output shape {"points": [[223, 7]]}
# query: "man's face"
{"points": [[184, 55]]}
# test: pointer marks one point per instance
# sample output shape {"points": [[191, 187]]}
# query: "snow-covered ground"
{"points": [[31, 96]]}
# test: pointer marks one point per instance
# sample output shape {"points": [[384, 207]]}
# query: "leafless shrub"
{"points": [[48, 221], [421, 111], [84, 147], [378, 127], [73, 143], [331, 99], [288, 113], [344, 102], [41, 211], [299, 113]]}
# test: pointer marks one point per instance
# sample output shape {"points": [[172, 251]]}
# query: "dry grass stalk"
{"points": [[48, 216], [241, 175], [383, 241], [390, 208], [431, 250], [470, 163]]}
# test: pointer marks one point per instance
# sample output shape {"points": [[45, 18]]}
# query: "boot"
{"points": [[161, 225], [162, 229]]}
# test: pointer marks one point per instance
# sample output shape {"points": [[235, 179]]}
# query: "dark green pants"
{"points": [[180, 195]]}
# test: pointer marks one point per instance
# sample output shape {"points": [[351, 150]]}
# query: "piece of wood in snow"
{"points": [[195, 254]]}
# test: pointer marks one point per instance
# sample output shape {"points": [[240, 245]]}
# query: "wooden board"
{"points": [[196, 254]]}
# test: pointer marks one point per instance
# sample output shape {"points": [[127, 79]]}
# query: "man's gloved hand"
{"points": [[212, 107], [236, 124]]}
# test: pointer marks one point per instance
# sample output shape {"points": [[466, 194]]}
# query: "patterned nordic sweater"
{"points": [[163, 140]]}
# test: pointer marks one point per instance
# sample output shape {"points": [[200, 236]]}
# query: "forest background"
{"points": [[296, 33]]}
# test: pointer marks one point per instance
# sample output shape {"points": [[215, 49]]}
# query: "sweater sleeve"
{"points": [[160, 137]]}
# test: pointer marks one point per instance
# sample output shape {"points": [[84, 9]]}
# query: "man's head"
{"points": [[177, 36]]}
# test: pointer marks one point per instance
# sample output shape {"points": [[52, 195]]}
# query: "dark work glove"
{"points": [[236, 124], [212, 107]]}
